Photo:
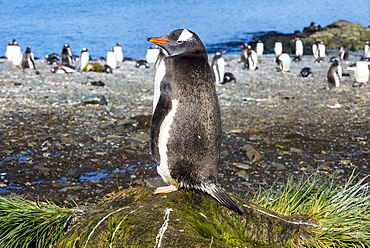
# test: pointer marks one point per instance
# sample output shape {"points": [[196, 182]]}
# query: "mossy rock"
{"points": [[136, 218], [334, 36], [341, 33], [94, 66]]}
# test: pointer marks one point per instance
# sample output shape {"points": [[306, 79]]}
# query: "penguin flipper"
{"points": [[221, 196]]}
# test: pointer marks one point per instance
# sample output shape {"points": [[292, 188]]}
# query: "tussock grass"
{"points": [[25, 223], [342, 213]]}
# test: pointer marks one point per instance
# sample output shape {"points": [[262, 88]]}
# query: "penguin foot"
{"points": [[165, 189]]}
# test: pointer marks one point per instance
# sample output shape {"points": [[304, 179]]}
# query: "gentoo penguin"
{"points": [[298, 47], [244, 54], [186, 124], [161, 55], [152, 54], [66, 58], [140, 63], [52, 59], [334, 75], [229, 77], [367, 49], [278, 48], [218, 68], [284, 62], [343, 52], [111, 59], [306, 72], [14, 53], [259, 48], [118, 52], [322, 50], [315, 49], [84, 57], [297, 59], [63, 69], [361, 73], [252, 60], [27, 60]]}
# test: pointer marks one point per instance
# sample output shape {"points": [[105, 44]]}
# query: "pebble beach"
{"points": [[54, 146]]}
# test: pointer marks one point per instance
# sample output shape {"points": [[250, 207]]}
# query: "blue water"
{"points": [[47, 25]]}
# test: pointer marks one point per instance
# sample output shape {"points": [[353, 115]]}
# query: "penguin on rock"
{"points": [[218, 68], [28, 60], [185, 130]]}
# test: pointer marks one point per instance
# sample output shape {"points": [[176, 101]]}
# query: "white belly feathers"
{"points": [[164, 135]]}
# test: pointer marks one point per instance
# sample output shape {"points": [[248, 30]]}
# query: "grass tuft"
{"points": [[342, 213], [25, 223]]}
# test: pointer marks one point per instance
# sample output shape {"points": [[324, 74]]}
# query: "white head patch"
{"points": [[185, 35]]}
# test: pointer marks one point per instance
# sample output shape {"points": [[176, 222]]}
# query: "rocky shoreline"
{"points": [[55, 147]]}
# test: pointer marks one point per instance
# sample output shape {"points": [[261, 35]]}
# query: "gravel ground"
{"points": [[54, 147]]}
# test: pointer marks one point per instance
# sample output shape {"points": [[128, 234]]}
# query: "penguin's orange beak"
{"points": [[157, 40]]}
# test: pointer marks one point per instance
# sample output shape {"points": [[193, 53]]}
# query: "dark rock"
{"points": [[94, 99]]}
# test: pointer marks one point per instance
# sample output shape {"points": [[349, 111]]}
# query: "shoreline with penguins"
{"points": [[263, 107]]}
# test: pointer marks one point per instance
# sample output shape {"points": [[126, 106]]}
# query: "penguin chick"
{"points": [[185, 128]]}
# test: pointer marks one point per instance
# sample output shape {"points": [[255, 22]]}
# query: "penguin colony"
{"points": [[69, 63]]}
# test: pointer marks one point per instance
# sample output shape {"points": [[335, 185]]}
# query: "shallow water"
{"points": [[46, 26]]}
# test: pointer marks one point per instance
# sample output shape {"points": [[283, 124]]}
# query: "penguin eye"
{"points": [[180, 42]]}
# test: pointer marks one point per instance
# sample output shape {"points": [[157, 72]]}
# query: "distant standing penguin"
{"points": [[186, 124], [343, 52], [361, 73], [152, 54], [66, 58], [111, 59], [315, 49], [27, 60], [334, 75], [118, 52], [322, 50], [14, 53], [278, 48], [252, 60], [298, 47], [284, 62], [84, 57], [367, 49], [244, 54], [218, 68], [259, 48]]}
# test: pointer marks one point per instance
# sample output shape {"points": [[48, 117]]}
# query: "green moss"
{"points": [[94, 66]]}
